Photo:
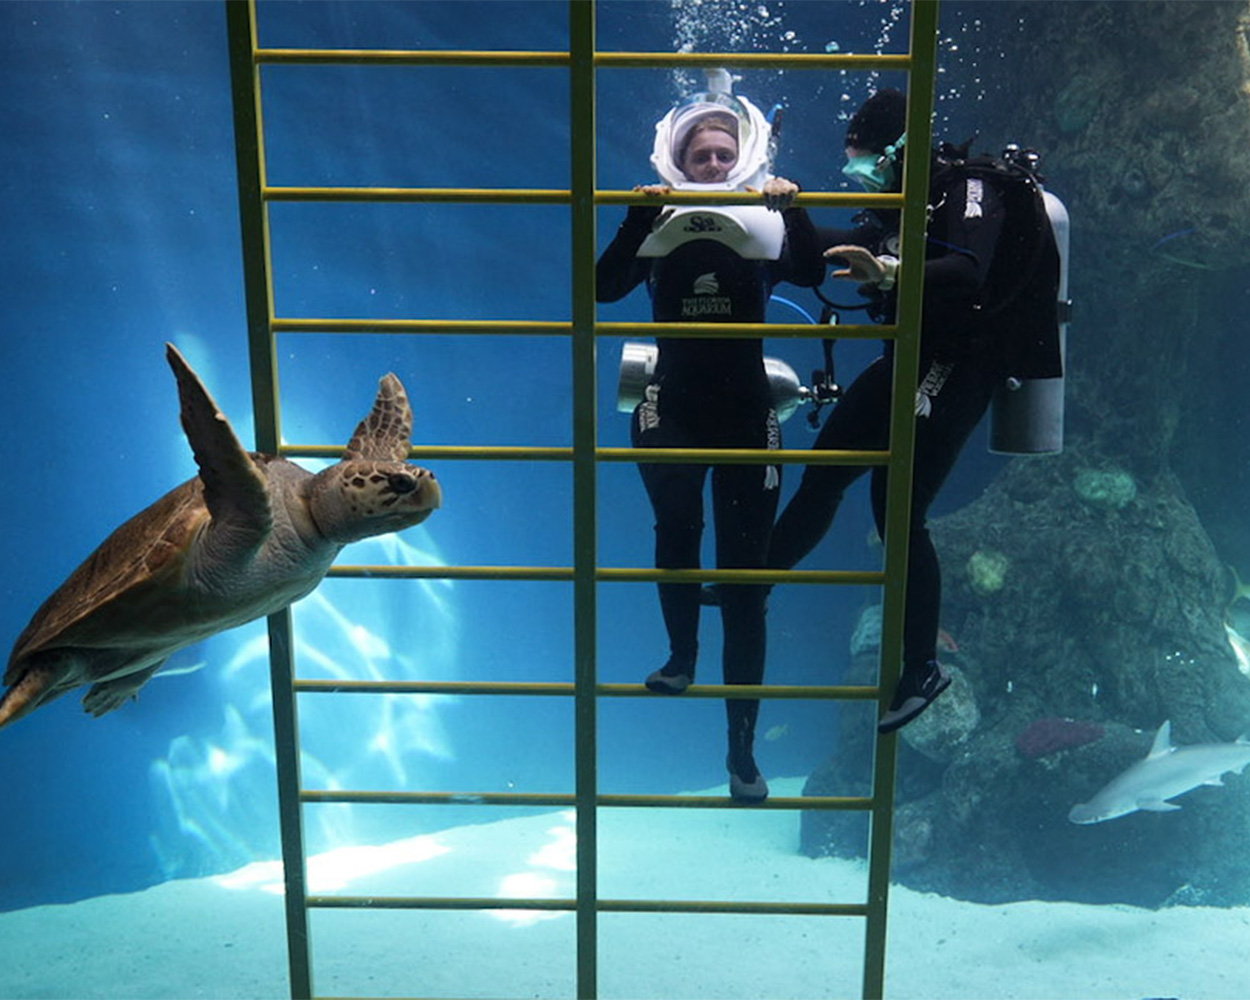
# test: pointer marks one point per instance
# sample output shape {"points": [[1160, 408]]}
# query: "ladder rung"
{"points": [[487, 453], [557, 689], [483, 196], [623, 60], [437, 903], [525, 327], [523, 453], [745, 907], [754, 60], [557, 196], [407, 57], [609, 574], [798, 331], [602, 905], [814, 803], [745, 456], [776, 692]]}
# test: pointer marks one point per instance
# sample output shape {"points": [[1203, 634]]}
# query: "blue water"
{"points": [[120, 215]]}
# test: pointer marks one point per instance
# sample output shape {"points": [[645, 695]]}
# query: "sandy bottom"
{"points": [[224, 936]]}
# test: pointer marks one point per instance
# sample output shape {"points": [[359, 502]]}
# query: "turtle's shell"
{"points": [[121, 594]]}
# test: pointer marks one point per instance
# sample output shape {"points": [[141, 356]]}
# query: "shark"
{"points": [[1166, 772]]}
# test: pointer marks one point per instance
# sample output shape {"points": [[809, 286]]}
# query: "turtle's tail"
{"points": [[35, 686]]}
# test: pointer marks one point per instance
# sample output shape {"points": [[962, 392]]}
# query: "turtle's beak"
{"points": [[431, 492], [426, 494]]}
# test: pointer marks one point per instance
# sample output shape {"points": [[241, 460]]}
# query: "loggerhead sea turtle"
{"points": [[246, 537]]}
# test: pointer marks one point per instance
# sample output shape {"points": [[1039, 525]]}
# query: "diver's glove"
{"points": [[865, 267], [889, 267], [645, 216], [778, 193]]}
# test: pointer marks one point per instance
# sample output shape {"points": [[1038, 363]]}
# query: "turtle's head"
{"points": [[361, 498], [373, 491]]}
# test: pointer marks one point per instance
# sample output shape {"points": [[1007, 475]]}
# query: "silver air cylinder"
{"points": [[638, 365], [1026, 416]]}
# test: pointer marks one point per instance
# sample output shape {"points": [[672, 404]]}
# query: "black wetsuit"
{"points": [[958, 349], [710, 393]]}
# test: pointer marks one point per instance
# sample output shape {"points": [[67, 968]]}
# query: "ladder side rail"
{"points": [[582, 177], [258, 288], [920, 100]]}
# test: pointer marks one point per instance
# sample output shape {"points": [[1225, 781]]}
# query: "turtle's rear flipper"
{"points": [[33, 688], [108, 695]]}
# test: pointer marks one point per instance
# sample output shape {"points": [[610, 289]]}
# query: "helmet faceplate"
{"points": [[753, 166]]}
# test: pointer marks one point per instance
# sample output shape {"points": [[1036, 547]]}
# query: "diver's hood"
{"points": [[754, 133]]}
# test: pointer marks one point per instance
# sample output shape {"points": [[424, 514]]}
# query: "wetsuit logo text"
{"points": [[706, 300]]}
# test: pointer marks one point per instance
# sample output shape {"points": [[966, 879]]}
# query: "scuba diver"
{"points": [[712, 265], [991, 286]]}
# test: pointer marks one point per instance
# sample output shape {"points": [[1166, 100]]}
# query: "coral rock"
{"points": [[1111, 489], [987, 571], [940, 733]]}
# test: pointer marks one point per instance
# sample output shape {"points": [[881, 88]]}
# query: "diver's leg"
{"points": [[859, 421], [745, 503], [940, 437], [676, 494]]}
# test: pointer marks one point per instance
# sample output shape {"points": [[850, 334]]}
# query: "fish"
{"points": [[946, 642], [1168, 255], [1241, 591], [777, 732], [1240, 647], [1170, 237], [1166, 772]]}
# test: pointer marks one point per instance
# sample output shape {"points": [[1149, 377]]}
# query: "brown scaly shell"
{"points": [[99, 593]]}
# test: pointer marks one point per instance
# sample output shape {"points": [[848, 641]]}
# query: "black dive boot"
{"points": [[674, 677], [917, 689], [746, 784]]}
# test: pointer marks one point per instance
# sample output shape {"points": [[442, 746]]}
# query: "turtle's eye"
{"points": [[401, 482]]}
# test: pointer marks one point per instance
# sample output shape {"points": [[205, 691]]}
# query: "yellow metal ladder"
{"points": [[255, 194]]}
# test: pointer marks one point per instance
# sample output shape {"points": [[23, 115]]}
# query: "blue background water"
{"points": [[118, 191]]}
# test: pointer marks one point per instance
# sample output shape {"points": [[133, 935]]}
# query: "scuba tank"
{"points": [[1026, 414], [638, 365]]}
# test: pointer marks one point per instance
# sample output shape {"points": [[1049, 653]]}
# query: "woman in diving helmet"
{"points": [[712, 265]]}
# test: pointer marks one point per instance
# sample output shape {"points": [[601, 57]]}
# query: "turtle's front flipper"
{"points": [[385, 435], [108, 695], [234, 488], [36, 685]]}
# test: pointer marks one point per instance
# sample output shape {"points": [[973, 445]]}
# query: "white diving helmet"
{"points": [[754, 133], [754, 231]]}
